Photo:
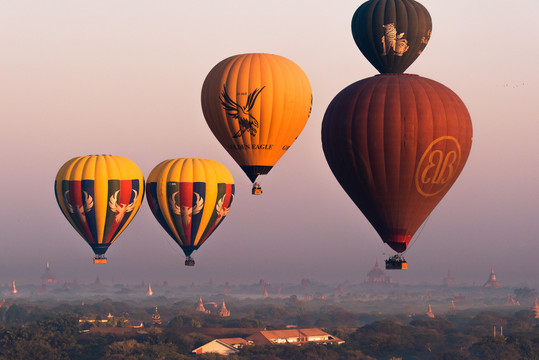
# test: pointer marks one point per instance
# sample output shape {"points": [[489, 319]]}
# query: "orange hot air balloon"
{"points": [[396, 143], [256, 105]]}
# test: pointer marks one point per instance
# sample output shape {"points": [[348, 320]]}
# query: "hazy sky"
{"points": [[124, 78]]}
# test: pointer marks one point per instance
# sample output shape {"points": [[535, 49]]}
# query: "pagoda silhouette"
{"points": [[224, 312], [47, 277], [535, 308], [377, 275], [156, 318], [13, 288], [429, 312], [492, 282], [200, 307], [449, 280]]}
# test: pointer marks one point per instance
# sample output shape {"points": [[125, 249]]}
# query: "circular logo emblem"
{"points": [[437, 166]]}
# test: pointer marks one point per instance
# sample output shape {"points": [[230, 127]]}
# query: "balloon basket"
{"points": [[396, 262], [100, 260], [189, 261], [257, 189]]}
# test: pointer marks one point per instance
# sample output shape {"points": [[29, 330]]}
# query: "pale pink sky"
{"points": [[124, 77]]}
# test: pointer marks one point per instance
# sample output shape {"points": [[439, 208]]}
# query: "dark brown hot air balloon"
{"points": [[396, 143], [391, 34]]}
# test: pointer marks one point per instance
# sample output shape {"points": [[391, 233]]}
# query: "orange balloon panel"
{"points": [[256, 105], [396, 143]]}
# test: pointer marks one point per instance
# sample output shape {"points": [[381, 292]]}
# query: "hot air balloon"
{"points": [[190, 197], [391, 34], [99, 195], [396, 143], [256, 105]]}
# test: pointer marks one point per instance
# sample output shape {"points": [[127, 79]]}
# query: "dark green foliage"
{"points": [[270, 313], [45, 339], [16, 315], [35, 332], [525, 295]]}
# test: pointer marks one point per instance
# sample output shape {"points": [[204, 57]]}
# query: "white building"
{"points": [[228, 346]]}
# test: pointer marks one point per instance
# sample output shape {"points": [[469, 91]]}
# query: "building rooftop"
{"points": [[293, 336]]}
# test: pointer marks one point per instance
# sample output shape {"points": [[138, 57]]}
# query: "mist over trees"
{"points": [[54, 331]]}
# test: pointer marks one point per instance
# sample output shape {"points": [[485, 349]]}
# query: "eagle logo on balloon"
{"points": [[221, 210], [121, 209], [81, 210], [186, 212], [246, 121]]}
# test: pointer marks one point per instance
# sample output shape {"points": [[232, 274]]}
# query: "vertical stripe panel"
{"points": [[89, 207], [114, 187], [199, 188], [77, 207], [101, 191], [174, 209]]}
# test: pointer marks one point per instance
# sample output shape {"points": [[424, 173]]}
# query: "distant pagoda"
{"points": [[200, 307], [452, 308], [449, 280], [377, 275], [47, 277], [492, 282], [97, 283], [535, 308], [510, 301], [224, 312], [156, 318], [429, 312], [14, 288]]}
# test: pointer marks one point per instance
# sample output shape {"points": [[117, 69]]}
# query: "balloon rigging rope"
{"points": [[174, 248], [419, 233]]}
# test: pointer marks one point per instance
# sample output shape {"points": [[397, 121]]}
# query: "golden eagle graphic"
{"points": [[246, 121]]}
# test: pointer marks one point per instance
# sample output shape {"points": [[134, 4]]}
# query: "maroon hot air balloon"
{"points": [[396, 143]]}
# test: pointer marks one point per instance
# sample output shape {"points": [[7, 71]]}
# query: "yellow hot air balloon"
{"points": [[99, 195], [256, 105], [190, 198]]}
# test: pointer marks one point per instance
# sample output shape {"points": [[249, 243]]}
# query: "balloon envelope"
{"points": [[396, 143], [190, 198], [391, 34], [256, 105], [99, 195]]}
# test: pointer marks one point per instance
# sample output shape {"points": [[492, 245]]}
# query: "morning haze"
{"points": [[125, 79]]}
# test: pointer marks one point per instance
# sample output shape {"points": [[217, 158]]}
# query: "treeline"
{"points": [[35, 332]]}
